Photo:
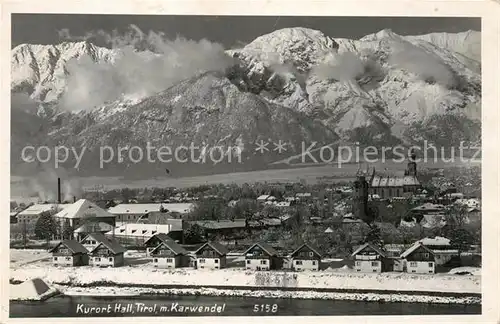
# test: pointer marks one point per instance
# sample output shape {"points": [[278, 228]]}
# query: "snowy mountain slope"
{"points": [[294, 83]]}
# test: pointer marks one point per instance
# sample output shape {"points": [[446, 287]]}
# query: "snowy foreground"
{"points": [[148, 275], [373, 297], [26, 265]]}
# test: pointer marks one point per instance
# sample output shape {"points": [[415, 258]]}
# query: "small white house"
{"points": [[169, 254], [211, 255], [306, 258], [369, 258], [419, 259], [108, 254]]}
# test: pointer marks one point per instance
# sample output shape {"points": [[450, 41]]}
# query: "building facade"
{"points": [[69, 253], [107, 254], [370, 258], [390, 186], [419, 259], [211, 255], [169, 254], [306, 258], [261, 256]]}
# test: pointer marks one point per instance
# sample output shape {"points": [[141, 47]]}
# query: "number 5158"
{"points": [[265, 308]]}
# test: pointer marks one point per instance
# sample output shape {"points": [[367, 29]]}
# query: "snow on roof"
{"points": [[374, 247], [83, 208], [41, 208], [443, 241], [34, 289], [263, 197], [92, 227], [328, 230], [429, 206], [125, 209], [413, 248]]}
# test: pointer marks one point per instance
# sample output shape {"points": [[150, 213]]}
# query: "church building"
{"points": [[390, 186]]}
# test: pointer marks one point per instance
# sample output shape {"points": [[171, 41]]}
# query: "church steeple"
{"points": [[411, 168]]}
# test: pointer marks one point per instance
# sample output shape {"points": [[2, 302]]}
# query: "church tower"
{"points": [[360, 198], [411, 168]]}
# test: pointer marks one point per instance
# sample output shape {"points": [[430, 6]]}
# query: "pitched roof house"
{"points": [[419, 259], [305, 257], [169, 254], [69, 252], [261, 256], [211, 255], [108, 253], [370, 258]]}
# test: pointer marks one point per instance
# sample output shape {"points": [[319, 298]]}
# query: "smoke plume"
{"points": [[44, 185], [145, 64]]}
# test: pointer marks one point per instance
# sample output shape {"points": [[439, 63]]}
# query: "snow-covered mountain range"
{"points": [[294, 85]]}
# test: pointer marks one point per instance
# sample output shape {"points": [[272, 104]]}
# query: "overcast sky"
{"points": [[227, 30]]}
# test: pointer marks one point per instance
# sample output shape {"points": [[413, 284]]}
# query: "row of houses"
{"points": [[421, 257], [98, 250]]}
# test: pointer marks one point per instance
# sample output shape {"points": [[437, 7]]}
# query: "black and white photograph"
{"points": [[168, 165]]}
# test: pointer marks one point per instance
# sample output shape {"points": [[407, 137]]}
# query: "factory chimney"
{"points": [[59, 190]]}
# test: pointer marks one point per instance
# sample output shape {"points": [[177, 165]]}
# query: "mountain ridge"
{"points": [[380, 89]]}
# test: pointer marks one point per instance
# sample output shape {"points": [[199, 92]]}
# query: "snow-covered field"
{"points": [[145, 274], [21, 257]]}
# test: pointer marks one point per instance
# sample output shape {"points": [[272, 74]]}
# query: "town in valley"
{"points": [[420, 221]]}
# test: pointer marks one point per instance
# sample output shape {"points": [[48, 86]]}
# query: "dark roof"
{"points": [[99, 237], [173, 246], [112, 245], [310, 248], [415, 247], [219, 248], [264, 246], [161, 236], [374, 247], [72, 245]]}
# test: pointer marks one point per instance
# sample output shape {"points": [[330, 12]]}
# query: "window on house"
{"points": [[413, 264], [298, 262], [248, 261], [133, 231], [413, 271], [144, 231], [426, 255], [55, 258], [110, 259], [358, 263], [314, 262], [263, 261], [216, 260], [122, 230], [97, 259], [375, 264], [431, 264], [68, 258], [374, 270], [169, 260], [202, 260], [155, 260], [311, 254], [153, 232]]}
